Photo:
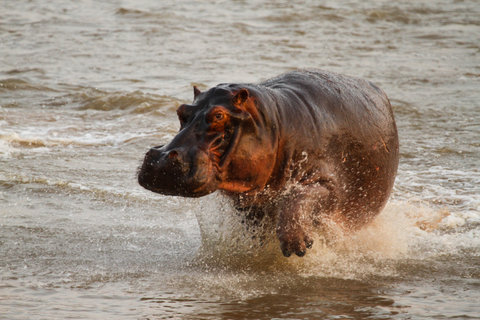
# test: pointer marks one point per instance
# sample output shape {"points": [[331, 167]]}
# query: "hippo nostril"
{"points": [[172, 155]]}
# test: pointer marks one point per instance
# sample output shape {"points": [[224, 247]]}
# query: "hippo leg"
{"points": [[258, 221], [295, 218]]}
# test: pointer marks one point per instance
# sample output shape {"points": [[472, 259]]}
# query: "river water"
{"points": [[87, 87]]}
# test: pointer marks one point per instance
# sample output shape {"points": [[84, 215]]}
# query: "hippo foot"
{"points": [[295, 242]]}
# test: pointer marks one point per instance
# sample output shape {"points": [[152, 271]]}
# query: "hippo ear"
{"points": [[196, 92], [240, 97], [245, 104]]}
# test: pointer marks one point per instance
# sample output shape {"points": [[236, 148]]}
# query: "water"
{"points": [[87, 87]]}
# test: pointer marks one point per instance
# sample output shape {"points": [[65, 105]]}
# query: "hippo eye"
{"points": [[217, 118]]}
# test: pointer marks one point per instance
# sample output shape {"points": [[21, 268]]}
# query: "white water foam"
{"points": [[402, 231], [41, 142], [6, 150]]}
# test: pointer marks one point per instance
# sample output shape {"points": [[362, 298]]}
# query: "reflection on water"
{"points": [[85, 90], [297, 297]]}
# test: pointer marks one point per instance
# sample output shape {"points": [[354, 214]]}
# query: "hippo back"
{"points": [[343, 132]]}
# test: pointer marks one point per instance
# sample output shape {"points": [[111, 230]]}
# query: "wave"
{"points": [[15, 84], [107, 194], [88, 98], [159, 16], [12, 142], [87, 117], [391, 15], [136, 102], [25, 70], [416, 15]]}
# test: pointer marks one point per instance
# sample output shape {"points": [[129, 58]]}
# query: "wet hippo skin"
{"points": [[300, 148]]}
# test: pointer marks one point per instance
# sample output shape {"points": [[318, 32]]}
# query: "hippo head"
{"points": [[222, 144]]}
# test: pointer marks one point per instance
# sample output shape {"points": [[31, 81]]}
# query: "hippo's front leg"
{"points": [[295, 218]]}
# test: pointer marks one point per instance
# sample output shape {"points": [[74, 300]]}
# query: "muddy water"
{"points": [[87, 87]]}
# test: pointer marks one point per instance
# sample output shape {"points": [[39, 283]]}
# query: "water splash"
{"points": [[402, 231]]}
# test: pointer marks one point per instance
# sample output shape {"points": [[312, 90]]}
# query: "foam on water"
{"points": [[6, 149], [38, 139], [402, 231]]}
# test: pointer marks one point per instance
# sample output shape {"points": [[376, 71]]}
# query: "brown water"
{"points": [[87, 87]]}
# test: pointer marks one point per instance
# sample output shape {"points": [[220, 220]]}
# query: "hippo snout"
{"points": [[163, 169], [177, 171]]}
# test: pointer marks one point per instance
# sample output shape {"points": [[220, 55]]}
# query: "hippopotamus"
{"points": [[300, 148]]}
